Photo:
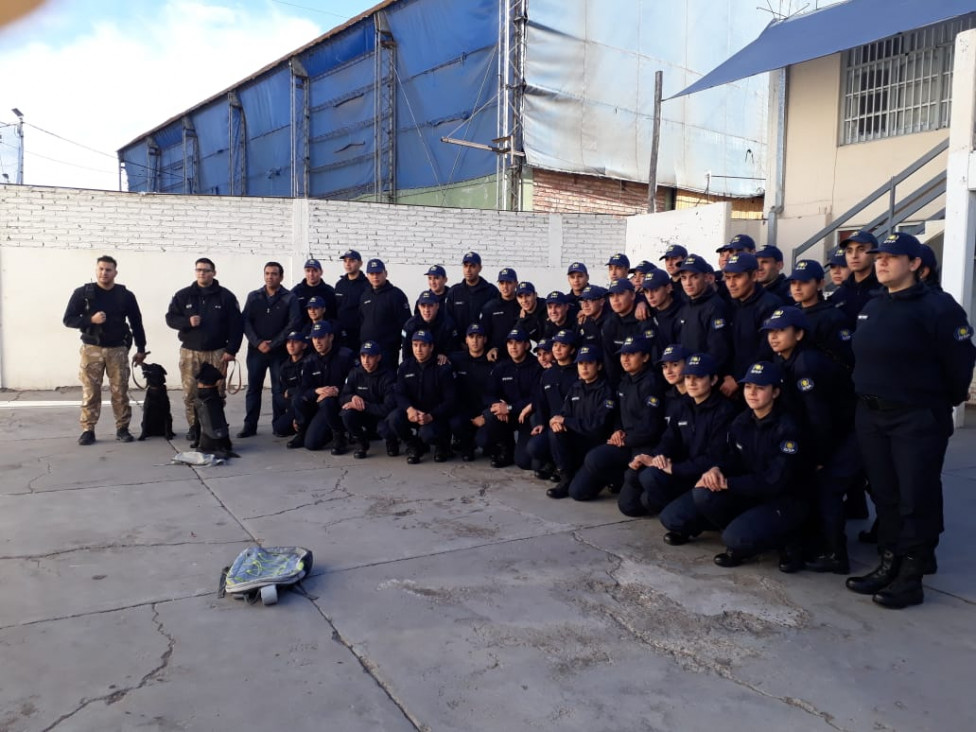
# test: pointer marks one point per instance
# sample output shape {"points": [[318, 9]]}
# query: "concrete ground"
{"points": [[444, 597]]}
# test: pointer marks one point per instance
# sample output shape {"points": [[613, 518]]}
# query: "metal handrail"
{"points": [[870, 198]]}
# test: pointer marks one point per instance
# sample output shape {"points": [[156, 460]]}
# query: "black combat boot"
{"points": [[503, 457], [729, 558], [392, 446], [442, 452], [297, 441], [906, 589], [882, 576], [340, 444], [833, 558], [561, 489]]}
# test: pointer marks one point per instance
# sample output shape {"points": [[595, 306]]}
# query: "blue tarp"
{"points": [[829, 30]]}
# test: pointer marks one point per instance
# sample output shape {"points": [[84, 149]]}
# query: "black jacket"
{"points": [[123, 318], [590, 331], [589, 409], [290, 377], [383, 311], [616, 330], [514, 383], [749, 344], [532, 322], [551, 391], [427, 387], [830, 331], [221, 324], [780, 289], [446, 338], [704, 324], [640, 408], [348, 294], [375, 389], [472, 377], [305, 292], [328, 370], [498, 317], [696, 438], [855, 295], [464, 303], [764, 456], [669, 324], [270, 318]]}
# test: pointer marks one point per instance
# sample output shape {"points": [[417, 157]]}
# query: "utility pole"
{"points": [[20, 146], [655, 144]]}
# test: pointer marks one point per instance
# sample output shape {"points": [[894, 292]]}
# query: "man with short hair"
{"points": [[501, 314], [673, 256], [472, 372], [208, 320], [432, 317], [704, 316], [109, 319], [619, 326], [513, 384], [367, 398], [270, 314], [290, 380], [579, 278], [862, 284], [314, 286], [465, 300], [750, 306], [828, 325], [618, 267], [771, 277], [557, 314], [349, 291], [383, 311], [594, 311], [659, 293], [532, 315]]}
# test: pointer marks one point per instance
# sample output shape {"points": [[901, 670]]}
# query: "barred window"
{"points": [[902, 84]]}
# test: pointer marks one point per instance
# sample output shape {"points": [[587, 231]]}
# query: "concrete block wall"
{"points": [[51, 237]]}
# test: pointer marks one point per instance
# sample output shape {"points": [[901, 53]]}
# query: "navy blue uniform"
{"points": [[549, 328], [588, 413], [695, 440], [465, 303], [855, 295], [376, 389], [444, 330], [532, 322], [498, 317], [305, 292], [431, 389], [640, 415], [705, 329], [780, 289], [749, 344], [913, 360], [551, 391], [590, 331], [830, 330], [515, 384], [383, 311], [290, 383], [472, 377], [668, 323], [221, 326], [318, 420], [760, 510], [615, 331], [266, 318], [349, 293]]}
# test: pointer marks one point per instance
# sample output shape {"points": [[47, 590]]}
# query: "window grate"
{"points": [[902, 84]]}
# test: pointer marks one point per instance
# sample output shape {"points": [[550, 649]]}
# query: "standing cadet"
{"points": [[578, 278], [367, 398], [704, 316], [618, 267], [500, 314], [749, 308], [771, 277], [913, 360], [382, 311], [829, 330], [472, 374], [557, 314], [466, 299], [750, 494], [437, 281], [594, 313], [432, 318], [673, 257], [837, 264], [349, 291], [108, 317], [208, 319], [314, 286], [426, 397], [290, 378], [665, 307], [270, 314], [513, 384], [638, 423], [532, 315], [621, 325], [862, 284]]}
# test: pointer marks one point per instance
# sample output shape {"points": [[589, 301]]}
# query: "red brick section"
{"points": [[555, 192]]}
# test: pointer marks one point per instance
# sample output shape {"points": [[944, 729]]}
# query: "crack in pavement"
{"points": [[692, 659], [337, 488], [119, 694], [100, 547]]}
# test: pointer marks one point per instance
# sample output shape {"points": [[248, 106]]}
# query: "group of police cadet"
{"points": [[742, 400]]}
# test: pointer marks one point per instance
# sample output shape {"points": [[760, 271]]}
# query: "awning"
{"points": [[829, 30]]}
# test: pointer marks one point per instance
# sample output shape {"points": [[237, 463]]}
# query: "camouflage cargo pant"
{"points": [[95, 362], [190, 363]]}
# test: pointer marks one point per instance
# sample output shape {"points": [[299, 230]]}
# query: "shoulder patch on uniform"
{"points": [[963, 333], [609, 404], [805, 384], [844, 335], [788, 447], [718, 323], [653, 401]]}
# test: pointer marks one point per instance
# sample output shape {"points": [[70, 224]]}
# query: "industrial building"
{"points": [[543, 105]]}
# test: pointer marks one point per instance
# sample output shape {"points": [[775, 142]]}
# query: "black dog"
{"points": [[157, 419], [212, 433]]}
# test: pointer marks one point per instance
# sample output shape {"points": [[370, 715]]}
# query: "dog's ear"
{"points": [[163, 370]]}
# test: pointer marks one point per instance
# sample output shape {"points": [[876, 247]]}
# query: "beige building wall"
{"points": [[823, 178]]}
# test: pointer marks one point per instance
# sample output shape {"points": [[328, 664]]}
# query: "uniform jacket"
{"points": [[830, 331], [221, 324], [590, 332], [749, 344], [375, 389], [464, 303], [640, 408], [472, 377], [780, 289], [763, 457], [123, 317], [615, 331], [669, 324], [551, 391], [348, 295], [696, 437], [498, 317], [290, 377], [705, 329], [270, 318], [446, 339], [855, 295], [305, 292], [427, 387], [589, 409], [514, 383], [383, 312], [328, 370]]}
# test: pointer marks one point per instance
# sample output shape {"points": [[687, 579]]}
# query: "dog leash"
{"points": [[134, 379], [233, 369]]}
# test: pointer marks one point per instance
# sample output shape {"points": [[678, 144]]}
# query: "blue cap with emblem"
{"points": [[544, 345], [471, 258], [786, 317], [700, 364], [589, 353], [593, 292], [313, 264], [565, 336], [556, 298], [635, 345], [296, 335], [517, 334], [741, 242], [770, 251], [315, 302], [644, 267], [375, 266], [370, 348], [577, 267], [860, 237], [427, 297], [674, 353], [321, 329], [657, 278], [424, 336], [620, 286], [619, 260], [742, 262], [837, 258], [351, 254], [475, 329], [694, 263], [898, 244], [806, 270], [525, 288], [763, 373], [435, 270], [507, 275], [674, 251]]}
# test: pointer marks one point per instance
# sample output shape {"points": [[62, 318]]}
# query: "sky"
{"points": [[91, 76]]}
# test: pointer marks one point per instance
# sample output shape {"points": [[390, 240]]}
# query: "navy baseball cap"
{"points": [[593, 292], [370, 348], [589, 353], [635, 345], [556, 298], [927, 254], [471, 258], [422, 335], [296, 335], [770, 251], [674, 250], [435, 270], [700, 364], [619, 286], [643, 266], [657, 278], [525, 288], [315, 302], [507, 275], [351, 254], [861, 237], [899, 243], [321, 329], [517, 334], [619, 260], [806, 270], [785, 317], [577, 267], [763, 373], [674, 352], [544, 345], [475, 329], [741, 241], [374, 266], [741, 262], [427, 297], [694, 263], [565, 336], [837, 258], [313, 263]]}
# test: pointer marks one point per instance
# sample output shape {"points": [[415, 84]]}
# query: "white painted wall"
{"points": [[51, 237]]}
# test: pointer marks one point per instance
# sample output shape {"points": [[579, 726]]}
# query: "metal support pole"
{"points": [[655, 144], [20, 145], [890, 224]]}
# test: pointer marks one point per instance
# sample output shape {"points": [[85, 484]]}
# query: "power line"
{"points": [[65, 139], [314, 10], [55, 160]]}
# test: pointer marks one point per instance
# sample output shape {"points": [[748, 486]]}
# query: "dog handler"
{"points": [[109, 319]]}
